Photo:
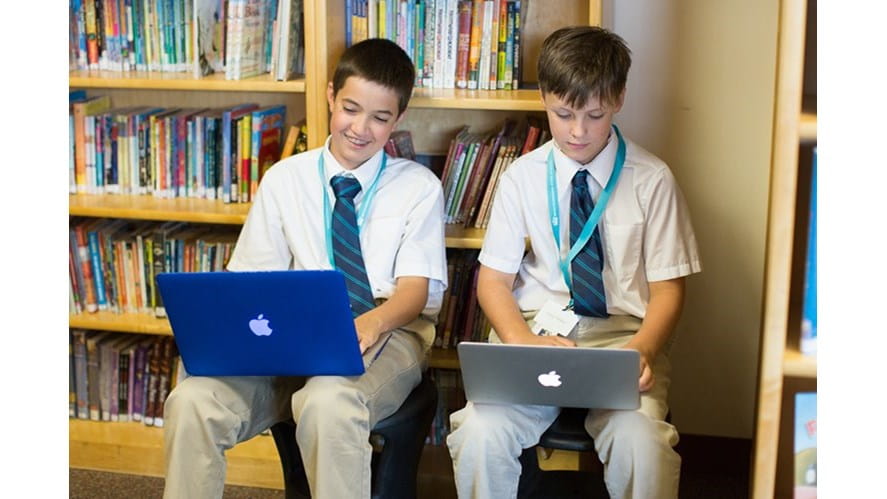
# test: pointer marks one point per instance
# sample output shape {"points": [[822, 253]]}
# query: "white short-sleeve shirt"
{"points": [[403, 234], [646, 229]]}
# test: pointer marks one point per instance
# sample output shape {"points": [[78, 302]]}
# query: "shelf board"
{"points": [[206, 211], [799, 365], [148, 207], [127, 323], [807, 127], [461, 237], [141, 80], [148, 324], [503, 100], [441, 358], [138, 449]]}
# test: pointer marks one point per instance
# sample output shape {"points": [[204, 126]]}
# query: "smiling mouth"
{"points": [[356, 142]]}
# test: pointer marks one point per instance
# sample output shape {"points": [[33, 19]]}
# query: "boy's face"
{"points": [[363, 115], [580, 133]]}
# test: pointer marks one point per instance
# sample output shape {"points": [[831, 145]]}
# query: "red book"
{"points": [[463, 43]]}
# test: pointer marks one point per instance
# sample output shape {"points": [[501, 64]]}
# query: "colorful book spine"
{"points": [[805, 472]]}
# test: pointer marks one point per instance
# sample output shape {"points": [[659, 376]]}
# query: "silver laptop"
{"points": [[601, 378]]}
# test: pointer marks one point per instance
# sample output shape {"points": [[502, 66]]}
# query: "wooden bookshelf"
{"points": [[181, 81], [134, 448], [782, 367]]}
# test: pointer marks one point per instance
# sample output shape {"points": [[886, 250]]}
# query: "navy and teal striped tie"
{"points": [[346, 244], [588, 284]]}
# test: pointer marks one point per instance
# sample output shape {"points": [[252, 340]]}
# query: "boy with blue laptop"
{"points": [[611, 243], [377, 219]]}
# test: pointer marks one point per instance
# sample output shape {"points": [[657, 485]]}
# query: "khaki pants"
{"points": [[205, 416], [635, 446]]}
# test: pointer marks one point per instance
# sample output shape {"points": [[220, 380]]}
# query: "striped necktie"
{"points": [[346, 244], [588, 285]]}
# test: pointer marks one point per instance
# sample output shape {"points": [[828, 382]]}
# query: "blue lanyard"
{"points": [[368, 196], [591, 223]]}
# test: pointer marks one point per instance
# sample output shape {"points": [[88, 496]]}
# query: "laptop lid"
{"points": [[270, 323], [602, 378]]}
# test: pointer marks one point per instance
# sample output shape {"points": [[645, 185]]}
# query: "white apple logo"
{"points": [[259, 326], [551, 378]]}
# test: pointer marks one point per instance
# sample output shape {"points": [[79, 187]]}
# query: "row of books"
{"points": [[121, 377], [112, 264], [212, 153], [474, 163], [460, 317], [240, 38], [473, 44], [450, 398]]}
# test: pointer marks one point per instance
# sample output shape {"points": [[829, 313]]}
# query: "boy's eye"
{"points": [[350, 110], [381, 119], [595, 116], [563, 116]]}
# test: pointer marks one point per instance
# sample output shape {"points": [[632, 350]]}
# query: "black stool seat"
{"points": [[568, 432], [401, 437]]}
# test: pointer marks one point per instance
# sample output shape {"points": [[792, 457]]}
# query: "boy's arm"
{"points": [[663, 311], [405, 304], [498, 303]]}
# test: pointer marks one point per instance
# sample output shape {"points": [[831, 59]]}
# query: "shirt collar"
{"points": [[364, 173], [600, 167]]}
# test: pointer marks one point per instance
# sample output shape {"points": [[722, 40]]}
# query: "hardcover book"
{"points": [[805, 446]]}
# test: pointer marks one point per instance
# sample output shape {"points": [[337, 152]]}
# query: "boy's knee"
{"points": [[636, 432], [326, 399], [479, 425]]}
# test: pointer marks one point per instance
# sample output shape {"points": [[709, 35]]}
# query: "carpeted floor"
{"points": [[713, 468]]}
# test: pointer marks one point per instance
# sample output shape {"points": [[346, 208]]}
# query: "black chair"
{"points": [[397, 443], [566, 433]]}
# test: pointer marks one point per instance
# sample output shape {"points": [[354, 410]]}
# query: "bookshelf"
{"points": [[437, 113], [784, 370]]}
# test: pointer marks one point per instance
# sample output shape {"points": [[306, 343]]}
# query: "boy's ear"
{"points": [[621, 100], [330, 95]]}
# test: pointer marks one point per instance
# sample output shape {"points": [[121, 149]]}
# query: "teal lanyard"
{"points": [[591, 223], [368, 196]]}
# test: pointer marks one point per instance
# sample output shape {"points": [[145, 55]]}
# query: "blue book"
{"points": [[808, 313], [95, 260]]}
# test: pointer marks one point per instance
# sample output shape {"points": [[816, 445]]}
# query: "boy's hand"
{"points": [[554, 340], [369, 328], [646, 380]]}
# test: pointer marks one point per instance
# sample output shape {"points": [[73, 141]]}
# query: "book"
{"points": [[164, 382], [291, 42], [400, 145], [139, 377], [805, 473], [82, 146], [463, 42], [93, 378], [474, 43], [152, 379], [265, 136], [78, 338], [229, 143], [808, 311], [289, 144]]}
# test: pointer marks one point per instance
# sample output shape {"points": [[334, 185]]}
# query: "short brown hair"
{"points": [[582, 61], [380, 61]]}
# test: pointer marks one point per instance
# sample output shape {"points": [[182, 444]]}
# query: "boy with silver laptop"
{"points": [[611, 244]]}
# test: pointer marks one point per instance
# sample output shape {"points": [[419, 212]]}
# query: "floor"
{"points": [[713, 468]]}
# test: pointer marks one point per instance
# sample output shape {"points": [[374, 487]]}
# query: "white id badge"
{"points": [[553, 319]]}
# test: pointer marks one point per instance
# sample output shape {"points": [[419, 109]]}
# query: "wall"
{"points": [[700, 96]]}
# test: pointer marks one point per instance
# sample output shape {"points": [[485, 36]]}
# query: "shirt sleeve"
{"points": [[262, 244], [670, 248], [504, 242], [422, 250]]}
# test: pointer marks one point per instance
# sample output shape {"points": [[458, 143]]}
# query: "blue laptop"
{"points": [[271, 323]]}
